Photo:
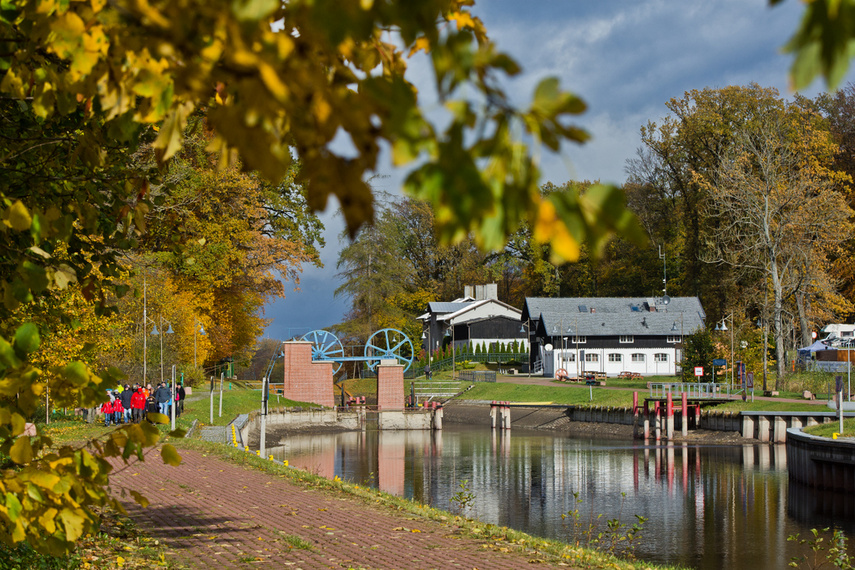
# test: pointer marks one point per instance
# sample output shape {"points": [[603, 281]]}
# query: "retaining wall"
{"points": [[819, 462]]}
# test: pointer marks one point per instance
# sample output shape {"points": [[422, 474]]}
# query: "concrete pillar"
{"points": [[390, 387], [779, 431], [437, 419], [685, 415], [506, 424], [748, 427], [763, 428], [493, 415], [795, 422]]}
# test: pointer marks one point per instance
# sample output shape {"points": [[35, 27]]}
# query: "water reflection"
{"points": [[707, 507]]}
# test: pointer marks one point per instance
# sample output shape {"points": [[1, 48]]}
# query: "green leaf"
{"points": [[170, 455], [27, 339], [76, 372]]}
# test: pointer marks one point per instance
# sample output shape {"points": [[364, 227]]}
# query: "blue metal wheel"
{"points": [[326, 346], [388, 344]]}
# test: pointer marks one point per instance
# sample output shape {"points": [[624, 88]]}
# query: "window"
{"points": [[673, 339], [570, 357], [580, 340], [660, 357], [615, 357], [626, 339], [592, 357], [638, 357]]}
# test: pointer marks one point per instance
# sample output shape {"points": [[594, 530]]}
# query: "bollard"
{"points": [[493, 415], [507, 422], [685, 416]]}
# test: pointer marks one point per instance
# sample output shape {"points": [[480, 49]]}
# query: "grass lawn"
{"points": [[827, 430]]}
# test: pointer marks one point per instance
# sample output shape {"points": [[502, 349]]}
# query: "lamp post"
{"points": [[450, 332], [155, 332], [723, 328], [526, 328], [201, 329]]}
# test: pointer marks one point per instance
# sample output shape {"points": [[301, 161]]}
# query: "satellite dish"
{"points": [[666, 299], [548, 347]]}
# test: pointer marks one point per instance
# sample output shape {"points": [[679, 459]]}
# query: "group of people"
{"points": [[131, 404]]}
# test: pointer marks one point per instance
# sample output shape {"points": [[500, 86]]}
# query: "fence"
{"points": [[693, 389], [477, 376]]}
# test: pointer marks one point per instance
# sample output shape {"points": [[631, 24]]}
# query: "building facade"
{"points": [[610, 335]]}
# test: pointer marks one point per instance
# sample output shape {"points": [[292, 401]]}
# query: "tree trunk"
{"points": [[780, 356], [807, 338]]}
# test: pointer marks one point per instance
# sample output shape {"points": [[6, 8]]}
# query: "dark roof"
{"points": [[439, 307], [614, 316]]}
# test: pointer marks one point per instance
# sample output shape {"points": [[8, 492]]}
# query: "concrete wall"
{"points": [[353, 419], [821, 463], [415, 420]]}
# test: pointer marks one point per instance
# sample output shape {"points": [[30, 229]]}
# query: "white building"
{"points": [[610, 334], [478, 318]]}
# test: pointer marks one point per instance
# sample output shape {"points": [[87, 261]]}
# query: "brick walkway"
{"points": [[214, 514]]}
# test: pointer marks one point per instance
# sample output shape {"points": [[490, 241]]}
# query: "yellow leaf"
{"points": [[157, 418], [421, 44], [549, 229], [18, 217], [22, 451], [272, 81], [170, 456], [73, 523], [120, 561]]}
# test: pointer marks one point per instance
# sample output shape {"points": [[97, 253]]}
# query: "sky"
{"points": [[625, 58]]}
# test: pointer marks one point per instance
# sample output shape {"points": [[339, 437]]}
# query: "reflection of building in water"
{"points": [[707, 507]]}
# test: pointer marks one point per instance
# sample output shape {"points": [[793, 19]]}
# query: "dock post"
{"points": [[493, 415], [658, 411], [507, 416], [669, 415], [685, 416], [437, 418], [635, 415], [646, 421]]}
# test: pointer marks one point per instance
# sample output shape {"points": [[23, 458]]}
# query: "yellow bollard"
{"points": [[834, 435], [271, 458], [285, 463]]}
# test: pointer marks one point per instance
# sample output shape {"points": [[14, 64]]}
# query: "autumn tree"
{"points": [[775, 207]]}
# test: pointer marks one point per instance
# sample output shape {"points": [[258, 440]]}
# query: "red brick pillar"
{"points": [[306, 381], [390, 387]]}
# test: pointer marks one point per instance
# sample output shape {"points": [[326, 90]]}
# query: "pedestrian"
{"points": [[126, 396], [118, 410], [138, 404], [148, 391], [181, 395], [163, 396], [107, 409]]}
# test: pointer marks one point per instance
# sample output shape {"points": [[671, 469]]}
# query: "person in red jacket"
{"points": [[118, 411], [137, 404], [107, 408]]}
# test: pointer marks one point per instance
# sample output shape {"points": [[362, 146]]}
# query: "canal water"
{"points": [[706, 506]]}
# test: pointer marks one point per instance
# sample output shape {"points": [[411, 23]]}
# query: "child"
{"points": [[107, 409]]}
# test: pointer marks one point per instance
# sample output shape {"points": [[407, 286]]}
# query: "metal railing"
{"points": [[436, 389], [477, 376], [691, 389]]}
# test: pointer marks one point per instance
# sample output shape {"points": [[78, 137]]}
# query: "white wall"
{"points": [[566, 359]]}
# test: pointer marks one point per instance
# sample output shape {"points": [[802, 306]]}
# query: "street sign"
{"points": [[719, 362], [750, 377], [699, 371]]}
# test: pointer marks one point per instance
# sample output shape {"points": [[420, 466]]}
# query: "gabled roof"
{"points": [[614, 316]]}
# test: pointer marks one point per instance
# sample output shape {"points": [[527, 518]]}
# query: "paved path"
{"points": [[214, 514]]}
